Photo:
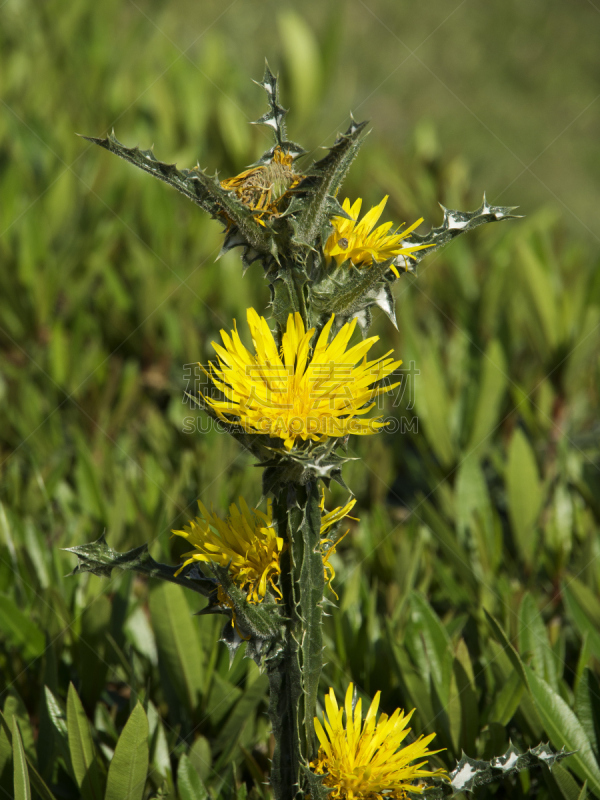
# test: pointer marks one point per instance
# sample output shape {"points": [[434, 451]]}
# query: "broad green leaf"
{"points": [[189, 783], [81, 747], [52, 740], [177, 641], [139, 632], [21, 776], [34, 776], [533, 639], [20, 630], [567, 784], [469, 716], [503, 640], [450, 548], [160, 758], [201, 757], [129, 766], [6, 777], [59, 722], [88, 476], [564, 729], [507, 701], [539, 283], [15, 707], [243, 712], [221, 698], [493, 381], [558, 527], [587, 707], [242, 792], [475, 520], [472, 498], [433, 404], [525, 496], [429, 644], [92, 649], [581, 610]]}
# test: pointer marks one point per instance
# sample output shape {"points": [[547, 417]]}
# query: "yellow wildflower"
{"points": [[367, 761], [294, 394], [361, 243], [246, 542]]}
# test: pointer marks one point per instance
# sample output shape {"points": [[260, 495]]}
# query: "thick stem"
{"points": [[294, 679]]}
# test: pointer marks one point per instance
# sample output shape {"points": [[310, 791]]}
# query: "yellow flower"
{"points": [[367, 761], [362, 243], [247, 544], [294, 394]]}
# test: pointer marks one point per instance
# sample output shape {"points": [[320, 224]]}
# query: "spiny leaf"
{"points": [[197, 186], [275, 118], [453, 224], [349, 292], [320, 185], [315, 785], [470, 773], [100, 559]]}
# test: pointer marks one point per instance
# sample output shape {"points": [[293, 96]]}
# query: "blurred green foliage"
{"points": [[488, 506]]}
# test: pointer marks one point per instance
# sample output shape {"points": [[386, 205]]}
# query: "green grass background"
{"points": [[109, 286]]}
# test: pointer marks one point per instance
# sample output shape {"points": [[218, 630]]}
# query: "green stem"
{"points": [[294, 678]]}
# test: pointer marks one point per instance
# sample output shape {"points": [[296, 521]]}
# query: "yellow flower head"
{"points": [[295, 394], [367, 761], [246, 542], [361, 243]]}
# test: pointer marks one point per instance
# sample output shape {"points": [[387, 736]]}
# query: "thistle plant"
{"points": [[292, 398]]}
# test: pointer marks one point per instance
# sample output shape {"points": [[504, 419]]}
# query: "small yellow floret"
{"points": [[246, 542], [366, 760], [361, 243]]}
